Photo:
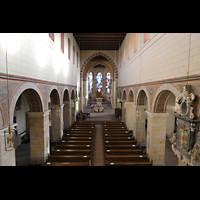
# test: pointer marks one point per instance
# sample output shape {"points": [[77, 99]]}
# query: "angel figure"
{"points": [[173, 139]]}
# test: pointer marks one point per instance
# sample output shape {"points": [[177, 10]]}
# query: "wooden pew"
{"points": [[76, 138], [84, 122], [83, 125], [121, 149], [73, 146], [71, 152], [108, 163], [113, 122], [113, 126], [80, 131], [120, 138], [68, 158], [122, 142], [122, 135], [116, 131], [86, 163], [78, 135], [126, 158], [75, 142], [135, 151], [121, 146]]}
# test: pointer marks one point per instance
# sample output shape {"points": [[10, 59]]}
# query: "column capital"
{"points": [[56, 106], [137, 106], [157, 114], [38, 114]]}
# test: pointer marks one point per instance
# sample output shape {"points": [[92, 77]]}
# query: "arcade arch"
{"points": [[142, 105], [73, 106], [164, 102], [55, 116], [66, 110], [26, 109]]}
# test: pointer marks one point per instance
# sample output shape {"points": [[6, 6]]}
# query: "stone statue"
{"points": [[173, 139]]}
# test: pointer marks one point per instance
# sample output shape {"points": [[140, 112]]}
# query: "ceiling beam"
{"points": [[99, 41]]}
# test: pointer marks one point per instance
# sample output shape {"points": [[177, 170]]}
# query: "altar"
{"points": [[98, 107], [99, 102]]}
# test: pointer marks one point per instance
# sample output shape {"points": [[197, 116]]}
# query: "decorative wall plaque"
{"points": [[186, 124]]}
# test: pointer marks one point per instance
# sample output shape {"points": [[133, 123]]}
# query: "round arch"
{"points": [[54, 95], [73, 94], [34, 97], [66, 94], [124, 95], [161, 96], [131, 95], [95, 55], [143, 97], [93, 65]]}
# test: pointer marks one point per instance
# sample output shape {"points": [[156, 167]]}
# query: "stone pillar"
{"points": [[67, 115], [56, 123], [73, 111], [79, 104], [156, 134], [113, 95], [140, 124], [85, 93], [124, 111], [134, 120], [39, 136], [129, 115]]}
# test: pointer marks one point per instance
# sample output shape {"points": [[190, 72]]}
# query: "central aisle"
{"points": [[98, 154], [107, 115]]}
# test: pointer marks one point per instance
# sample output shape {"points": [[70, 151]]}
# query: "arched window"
{"points": [[108, 83], [146, 37], [99, 82], [68, 48], [135, 42], [90, 82], [124, 54], [129, 48]]}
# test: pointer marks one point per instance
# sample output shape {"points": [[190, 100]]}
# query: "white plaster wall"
{"points": [[163, 56], [36, 56]]}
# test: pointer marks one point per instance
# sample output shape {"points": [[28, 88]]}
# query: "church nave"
{"points": [[148, 81]]}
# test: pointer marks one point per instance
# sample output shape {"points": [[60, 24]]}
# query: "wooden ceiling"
{"points": [[99, 41]]}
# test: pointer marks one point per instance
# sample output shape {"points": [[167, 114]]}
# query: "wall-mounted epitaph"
{"points": [[184, 137]]}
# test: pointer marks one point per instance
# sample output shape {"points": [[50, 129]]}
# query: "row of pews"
{"points": [[121, 149], [75, 148]]}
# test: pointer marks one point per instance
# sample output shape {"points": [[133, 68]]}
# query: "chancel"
{"points": [[100, 99]]}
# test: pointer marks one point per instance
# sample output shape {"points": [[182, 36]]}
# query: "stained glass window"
{"points": [[90, 82], [99, 82], [108, 83]]}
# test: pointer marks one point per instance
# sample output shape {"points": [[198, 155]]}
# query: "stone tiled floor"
{"points": [[170, 158], [98, 153]]}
